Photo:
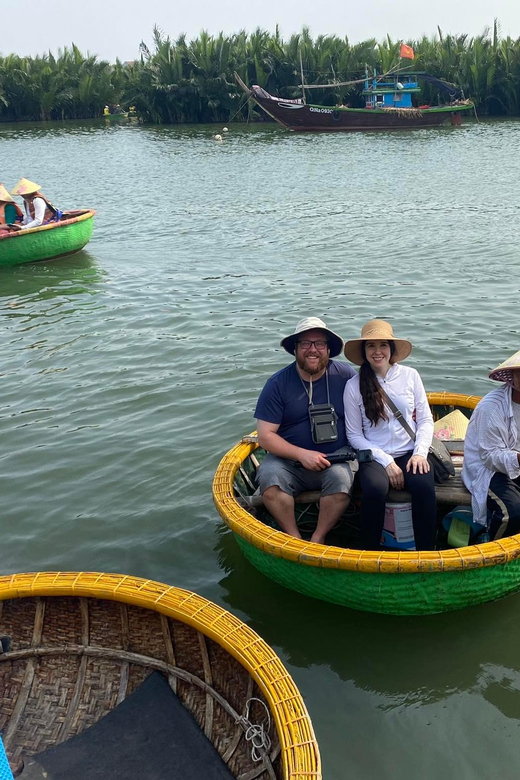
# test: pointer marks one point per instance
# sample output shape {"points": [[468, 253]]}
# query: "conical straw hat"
{"points": [[504, 372], [25, 187], [4, 195]]}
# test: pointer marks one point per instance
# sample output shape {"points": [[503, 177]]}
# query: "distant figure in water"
{"points": [[38, 210], [9, 211]]}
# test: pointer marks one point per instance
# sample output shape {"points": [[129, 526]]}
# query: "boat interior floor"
{"points": [[149, 735], [346, 533]]}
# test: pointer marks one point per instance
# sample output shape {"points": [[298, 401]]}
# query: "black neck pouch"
{"points": [[323, 417], [324, 423]]}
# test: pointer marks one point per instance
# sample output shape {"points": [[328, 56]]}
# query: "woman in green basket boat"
{"points": [[38, 210], [9, 211], [397, 460]]}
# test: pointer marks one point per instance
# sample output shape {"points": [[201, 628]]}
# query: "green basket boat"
{"points": [[399, 583], [48, 242]]}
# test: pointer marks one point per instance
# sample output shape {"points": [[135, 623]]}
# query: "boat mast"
{"points": [[303, 81]]}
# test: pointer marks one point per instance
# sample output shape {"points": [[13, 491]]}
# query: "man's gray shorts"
{"points": [[294, 480]]}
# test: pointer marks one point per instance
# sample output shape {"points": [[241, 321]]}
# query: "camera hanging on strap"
{"points": [[323, 418]]}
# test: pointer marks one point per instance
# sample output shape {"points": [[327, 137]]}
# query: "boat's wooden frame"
{"points": [[298, 116]]}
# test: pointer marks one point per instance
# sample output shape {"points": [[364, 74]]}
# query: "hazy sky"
{"points": [[114, 28]]}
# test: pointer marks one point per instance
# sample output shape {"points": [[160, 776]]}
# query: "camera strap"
{"points": [[309, 391]]}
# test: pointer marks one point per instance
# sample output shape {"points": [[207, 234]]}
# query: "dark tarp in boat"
{"points": [[149, 735]]}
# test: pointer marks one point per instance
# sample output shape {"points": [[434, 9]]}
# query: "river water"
{"points": [[129, 369]]}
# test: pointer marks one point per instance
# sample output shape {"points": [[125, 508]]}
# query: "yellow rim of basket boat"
{"points": [[300, 754], [276, 543]]}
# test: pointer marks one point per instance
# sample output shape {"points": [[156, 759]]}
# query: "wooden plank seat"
{"points": [[452, 491]]}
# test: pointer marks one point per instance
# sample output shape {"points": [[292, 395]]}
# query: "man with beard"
{"points": [[296, 441]]}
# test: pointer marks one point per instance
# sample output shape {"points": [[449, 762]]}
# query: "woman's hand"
{"points": [[418, 464], [395, 475]]}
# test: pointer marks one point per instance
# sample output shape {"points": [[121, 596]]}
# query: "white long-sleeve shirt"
{"points": [[39, 213], [489, 447], [388, 439]]}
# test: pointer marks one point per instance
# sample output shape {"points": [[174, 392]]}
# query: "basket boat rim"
{"points": [[280, 545], [297, 740], [87, 214]]}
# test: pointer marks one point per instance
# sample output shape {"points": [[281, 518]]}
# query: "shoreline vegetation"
{"points": [[180, 81]]}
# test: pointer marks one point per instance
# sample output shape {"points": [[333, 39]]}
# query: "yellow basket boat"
{"points": [[76, 647], [400, 583]]}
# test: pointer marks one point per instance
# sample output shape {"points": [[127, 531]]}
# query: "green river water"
{"points": [[129, 369]]}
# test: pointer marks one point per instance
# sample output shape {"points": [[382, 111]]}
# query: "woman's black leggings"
{"points": [[375, 485]]}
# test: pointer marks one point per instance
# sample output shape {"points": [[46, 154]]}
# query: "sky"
{"points": [[114, 28]]}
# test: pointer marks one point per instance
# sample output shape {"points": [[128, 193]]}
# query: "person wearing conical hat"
{"points": [[491, 470], [398, 461], [9, 211], [38, 209], [300, 423]]}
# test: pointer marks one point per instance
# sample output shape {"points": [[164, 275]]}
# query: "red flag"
{"points": [[406, 52]]}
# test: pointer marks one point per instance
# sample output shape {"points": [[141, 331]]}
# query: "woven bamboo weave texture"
{"points": [[228, 635]]}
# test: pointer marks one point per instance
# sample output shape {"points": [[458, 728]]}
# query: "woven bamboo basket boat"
{"points": [[75, 645], [48, 242], [399, 583]]}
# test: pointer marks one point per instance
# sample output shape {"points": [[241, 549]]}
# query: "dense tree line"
{"points": [[192, 81]]}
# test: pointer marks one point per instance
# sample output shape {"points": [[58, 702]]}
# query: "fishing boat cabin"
{"points": [[395, 91]]}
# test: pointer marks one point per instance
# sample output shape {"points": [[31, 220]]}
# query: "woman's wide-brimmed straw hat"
{"points": [[312, 323], [25, 187], [504, 372], [4, 195], [377, 330]]}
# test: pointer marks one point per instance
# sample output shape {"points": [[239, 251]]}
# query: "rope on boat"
{"points": [[255, 732]]}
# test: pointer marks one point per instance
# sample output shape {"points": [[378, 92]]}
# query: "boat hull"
{"points": [[48, 241], [402, 593], [398, 583], [299, 117]]}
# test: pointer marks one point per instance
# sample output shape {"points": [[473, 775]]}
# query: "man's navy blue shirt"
{"points": [[285, 402]]}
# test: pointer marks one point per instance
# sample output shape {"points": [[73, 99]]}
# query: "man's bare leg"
{"points": [[281, 506], [331, 509]]}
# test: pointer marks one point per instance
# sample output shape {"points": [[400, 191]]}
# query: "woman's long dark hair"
{"points": [[370, 389]]}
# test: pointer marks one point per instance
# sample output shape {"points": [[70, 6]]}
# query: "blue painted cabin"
{"points": [[394, 92]]}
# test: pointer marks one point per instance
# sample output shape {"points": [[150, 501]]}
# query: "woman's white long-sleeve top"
{"points": [[39, 213], [388, 439]]}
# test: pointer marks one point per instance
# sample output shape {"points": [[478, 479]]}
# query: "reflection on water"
{"points": [[353, 650], [130, 368], [76, 274]]}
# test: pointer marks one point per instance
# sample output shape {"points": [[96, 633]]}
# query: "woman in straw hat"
{"points": [[9, 211], [38, 209], [397, 460], [491, 470]]}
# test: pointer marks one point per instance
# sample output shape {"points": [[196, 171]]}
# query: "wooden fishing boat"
{"points": [[99, 674], [388, 106], [47, 242], [400, 583]]}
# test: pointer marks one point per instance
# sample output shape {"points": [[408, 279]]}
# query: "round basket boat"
{"points": [[48, 242], [77, 648], [399, 583]]}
